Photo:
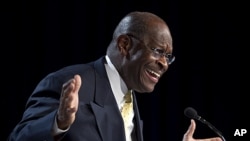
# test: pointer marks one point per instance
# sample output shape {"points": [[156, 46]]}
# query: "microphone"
{"points": [[191, 113]]}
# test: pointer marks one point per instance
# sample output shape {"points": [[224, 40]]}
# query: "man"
{"points": [[84, 102]]}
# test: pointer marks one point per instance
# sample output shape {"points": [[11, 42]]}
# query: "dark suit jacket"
{"points": [[98, 117]]}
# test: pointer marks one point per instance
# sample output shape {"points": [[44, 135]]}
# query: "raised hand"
{"points": [[68, 102]]}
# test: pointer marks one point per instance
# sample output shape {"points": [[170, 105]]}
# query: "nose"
{"points": [[162, 62]]}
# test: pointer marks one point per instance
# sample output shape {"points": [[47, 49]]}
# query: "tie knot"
{"points": [[128, 97]]}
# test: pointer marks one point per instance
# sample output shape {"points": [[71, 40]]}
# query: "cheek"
{"points": [[136, 54], [139, 56], [138, 60]]}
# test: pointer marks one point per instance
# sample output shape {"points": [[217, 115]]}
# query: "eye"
{"points": [[158, 51], [169, 56]]}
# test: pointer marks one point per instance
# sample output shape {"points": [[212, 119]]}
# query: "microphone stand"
{"points": [[210, 126]]}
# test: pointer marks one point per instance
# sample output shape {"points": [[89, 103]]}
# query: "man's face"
{"points": [[143, 68]]}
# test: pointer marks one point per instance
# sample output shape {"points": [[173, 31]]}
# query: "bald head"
{"points": [[142, 25], [139, 24]]}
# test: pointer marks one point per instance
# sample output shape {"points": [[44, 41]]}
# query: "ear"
{"points": [[123, 43]]}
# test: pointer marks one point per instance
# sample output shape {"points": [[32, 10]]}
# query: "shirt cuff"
{"points": [[56, 130]]}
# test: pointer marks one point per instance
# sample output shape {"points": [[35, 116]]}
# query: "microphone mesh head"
{"points": [[190, 112]]}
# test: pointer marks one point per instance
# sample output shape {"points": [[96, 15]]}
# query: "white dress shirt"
{"points": [[119, 89]]}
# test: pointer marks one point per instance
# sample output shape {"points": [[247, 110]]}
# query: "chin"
{"points": [[146, 89]]}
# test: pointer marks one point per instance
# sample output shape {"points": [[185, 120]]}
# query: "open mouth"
{"points": [[153, 76]]}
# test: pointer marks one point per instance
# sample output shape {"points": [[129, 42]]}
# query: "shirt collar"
{"points": [[115, 74]]}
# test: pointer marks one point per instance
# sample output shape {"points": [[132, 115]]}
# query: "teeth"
{"points": [[156, 74]]}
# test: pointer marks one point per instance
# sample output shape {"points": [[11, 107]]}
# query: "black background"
{"points": [[39, 37]]}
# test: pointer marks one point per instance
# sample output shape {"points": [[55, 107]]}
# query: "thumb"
{"points": [[78, 83], [191, 129]]}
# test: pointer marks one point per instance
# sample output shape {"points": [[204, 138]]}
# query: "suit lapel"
{"points": [[106, 113], [138, 121]]}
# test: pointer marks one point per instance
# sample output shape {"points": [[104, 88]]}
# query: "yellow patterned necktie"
{"points": [[127, 111]]}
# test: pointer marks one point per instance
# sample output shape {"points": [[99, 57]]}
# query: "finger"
{"points": [[66, 101], [70, 99], [210, 139], [70, 94], [191, 129], [67, 88], [77, 83], [66, 84], [71, 86]]}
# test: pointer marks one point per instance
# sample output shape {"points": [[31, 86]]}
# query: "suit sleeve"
{"points": [[41, 108]]}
